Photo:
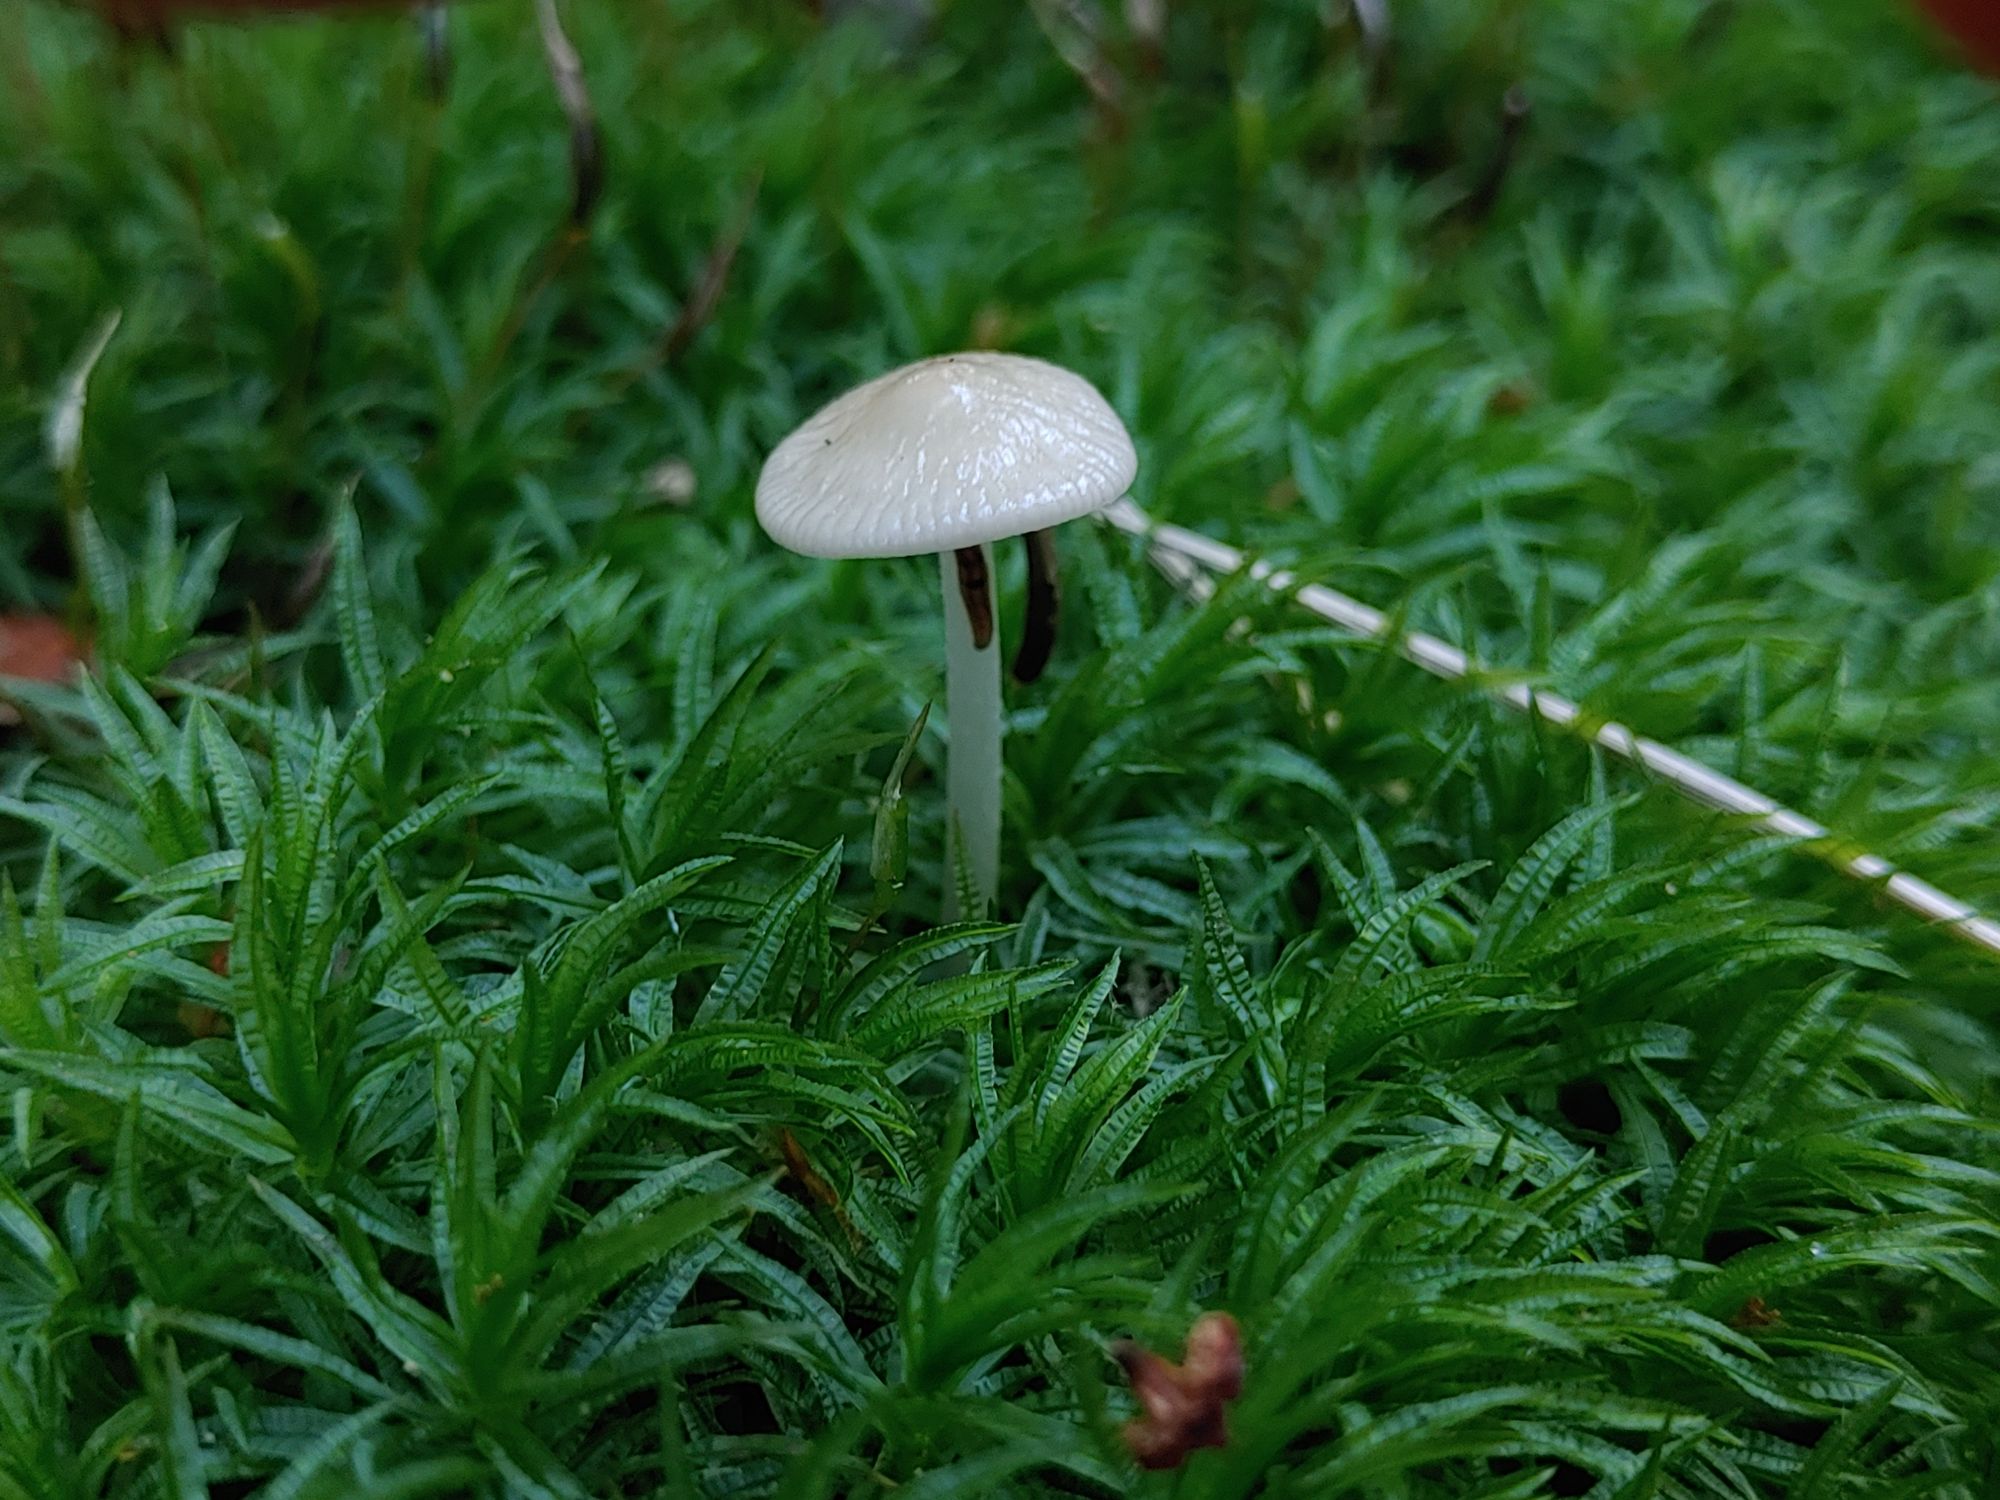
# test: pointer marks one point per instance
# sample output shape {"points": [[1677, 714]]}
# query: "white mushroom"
{"points": [[949, 455]]}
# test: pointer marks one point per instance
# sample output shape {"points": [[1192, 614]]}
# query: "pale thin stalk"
{"points": [[972, 710], [1176, 550]]}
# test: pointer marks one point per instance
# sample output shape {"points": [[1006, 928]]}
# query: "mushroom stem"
{"points": [[1038, 629], [972, 706]]}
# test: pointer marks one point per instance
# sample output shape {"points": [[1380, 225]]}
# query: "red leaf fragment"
{"points": [[1181, 1405], [1756, 1313], [201, 1021], [37, 648], [1975, 24]]}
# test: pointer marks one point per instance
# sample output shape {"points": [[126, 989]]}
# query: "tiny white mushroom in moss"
{"points": [[948, 456]]}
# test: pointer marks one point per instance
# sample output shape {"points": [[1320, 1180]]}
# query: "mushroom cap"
{"points": [[945, 453]]}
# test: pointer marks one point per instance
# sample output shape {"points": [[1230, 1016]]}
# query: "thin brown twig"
{"points": [[699, 308], [586, 156], [552, 257], [705, 296], [1079, 45], [1515, 107], [432, 26], [1371, 18], [1146, 20]]}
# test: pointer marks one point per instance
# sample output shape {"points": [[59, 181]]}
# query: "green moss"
{"points": [[460, 1037]]}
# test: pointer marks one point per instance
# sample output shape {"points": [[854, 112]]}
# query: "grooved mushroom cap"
{"points": [[945, 453]]}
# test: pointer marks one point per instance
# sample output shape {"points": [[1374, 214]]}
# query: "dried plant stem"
{"points": [[1073, 32], [973, 713], [431, 25], [586, 156], [1183, 555]]}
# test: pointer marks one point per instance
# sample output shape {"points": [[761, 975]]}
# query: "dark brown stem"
{"points": [[714, 279], [1485, 193], [703, 298], [1147, 21], [437, 50], [1038, 630], [1073, 31], [1371, 19], [586, 160], [975, 587]]}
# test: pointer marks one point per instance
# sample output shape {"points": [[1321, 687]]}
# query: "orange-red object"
{"points": [[1181, 1405], [1976, 25], [37, 647], [1756, 1313]]}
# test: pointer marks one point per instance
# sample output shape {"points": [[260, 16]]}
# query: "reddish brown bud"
{"points": [[1181, 1405], [39, 648]]}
